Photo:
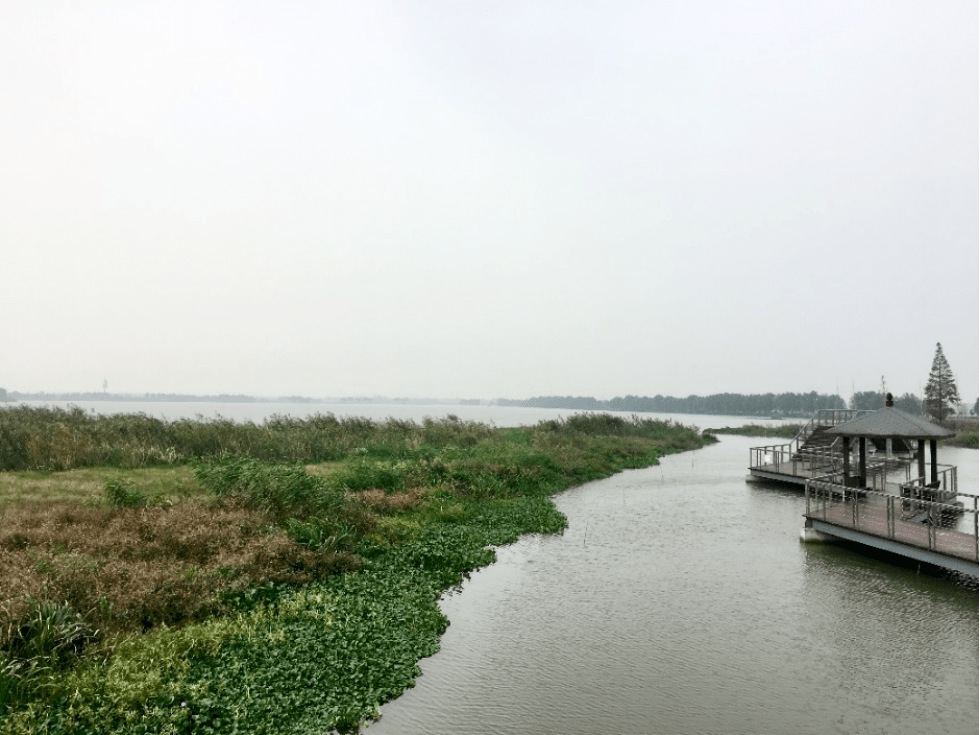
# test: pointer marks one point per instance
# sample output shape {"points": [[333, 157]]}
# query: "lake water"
{"points": [[681, 601]]}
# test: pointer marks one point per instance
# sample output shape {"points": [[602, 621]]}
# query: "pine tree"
{"points": [[942, 397]]}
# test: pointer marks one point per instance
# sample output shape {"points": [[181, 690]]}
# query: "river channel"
{"points": [[680, 601]]}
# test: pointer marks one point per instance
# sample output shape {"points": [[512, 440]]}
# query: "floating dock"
{"points": [[889, 501]]}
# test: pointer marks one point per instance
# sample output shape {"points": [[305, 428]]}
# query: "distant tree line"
{"points": [[871, 400], [722, 404]]}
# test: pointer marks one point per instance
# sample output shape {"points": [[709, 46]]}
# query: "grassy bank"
{"points": [[967, 435], [966, 439], [786, 432], [287, 583]]}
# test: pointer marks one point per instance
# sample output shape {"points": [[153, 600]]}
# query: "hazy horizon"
{"points": [[464, 201]]}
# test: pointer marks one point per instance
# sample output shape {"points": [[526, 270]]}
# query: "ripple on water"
{"points": [[680, 600]]}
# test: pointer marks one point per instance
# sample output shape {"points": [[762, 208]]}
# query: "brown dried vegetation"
{"points": [[134, 568], [382, 502]]}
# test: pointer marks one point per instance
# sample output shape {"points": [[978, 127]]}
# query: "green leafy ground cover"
{"points": [[401, 513]]}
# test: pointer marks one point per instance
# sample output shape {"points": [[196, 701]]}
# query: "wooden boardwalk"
{"points": [[877, 515], [879, 499], [935, 533], [873, 519], [787, 472]]}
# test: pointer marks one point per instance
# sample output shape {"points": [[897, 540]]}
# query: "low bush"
{"points": [[122, 494]]}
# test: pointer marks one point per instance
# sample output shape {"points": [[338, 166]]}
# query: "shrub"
{"points": [[122, 494]]}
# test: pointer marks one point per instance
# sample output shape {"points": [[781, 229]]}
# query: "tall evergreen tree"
{"points": [[942, 397]]}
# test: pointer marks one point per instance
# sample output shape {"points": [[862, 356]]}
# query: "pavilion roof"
{"points": [[891, 422]]}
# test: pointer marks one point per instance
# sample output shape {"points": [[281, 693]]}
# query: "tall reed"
{"points": [[44, 438]]}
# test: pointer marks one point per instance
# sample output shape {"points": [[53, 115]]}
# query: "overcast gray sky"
{"points": [[488, 199]]}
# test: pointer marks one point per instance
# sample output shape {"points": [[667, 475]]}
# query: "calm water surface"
{"points": [[681, 601]]}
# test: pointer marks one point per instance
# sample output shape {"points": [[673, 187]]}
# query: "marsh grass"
{"points": [[57, 439], [787, 431], [320, 567], [46, 639], [965, 438]]}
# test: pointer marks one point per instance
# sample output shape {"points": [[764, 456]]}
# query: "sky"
{"points": [[483, 200]]}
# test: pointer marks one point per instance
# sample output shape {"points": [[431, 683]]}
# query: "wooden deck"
{"points": [[892, 510], [873, 519], [940, 534], [787, 472]]}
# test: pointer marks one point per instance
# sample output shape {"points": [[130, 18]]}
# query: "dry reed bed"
{"points": [[135, 568]]}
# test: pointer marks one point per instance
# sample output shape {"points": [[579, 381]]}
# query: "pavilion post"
{"points": [[921, 456], [932, 460], [863, 460]]}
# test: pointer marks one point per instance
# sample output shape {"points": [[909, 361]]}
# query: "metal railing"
{"points": [[944, 486], [826, 417], [783, 454], [815, 462], [918, 522]]}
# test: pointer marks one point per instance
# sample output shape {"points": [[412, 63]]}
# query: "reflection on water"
{"points": [[681, 601]]}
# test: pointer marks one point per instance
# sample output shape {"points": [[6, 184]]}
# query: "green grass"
{"points": [[403, 513], [968, 439], [87, 485], [786, 432]]}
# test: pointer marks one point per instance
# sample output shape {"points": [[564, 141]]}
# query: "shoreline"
{"points": [[354, 638]]}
